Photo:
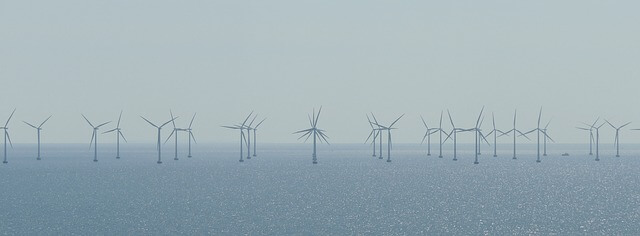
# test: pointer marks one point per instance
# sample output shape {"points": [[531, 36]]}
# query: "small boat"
{"points": [[565, 154]]}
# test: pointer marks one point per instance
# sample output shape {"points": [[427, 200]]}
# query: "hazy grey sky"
{"points": [[222, 59]]}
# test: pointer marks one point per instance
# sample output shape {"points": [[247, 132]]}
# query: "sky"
{"points": [[578, 60]]}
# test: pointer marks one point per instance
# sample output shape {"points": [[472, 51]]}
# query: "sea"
{"points": [[349, 192]]}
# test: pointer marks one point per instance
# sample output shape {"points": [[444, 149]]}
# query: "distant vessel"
{"points": [[565, 154]]}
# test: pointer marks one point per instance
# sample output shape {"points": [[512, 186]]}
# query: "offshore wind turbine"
{"points": [[94, 136], [119, 134], [159, 145], [427, 135], [538, 130], [6, 136], [617, 140], [495, 132], [514, 130], [598, 141], [255, 129], [478, 135], [389, 143], [591, 138], [375, 121], [174, 132], [191, 137], [38, 128], [441, 131], [249, 128], [454, 131], [315, 132], [243, 139], [374, 133]]}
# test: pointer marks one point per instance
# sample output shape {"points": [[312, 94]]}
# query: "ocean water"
{"points": [[280, 192]]}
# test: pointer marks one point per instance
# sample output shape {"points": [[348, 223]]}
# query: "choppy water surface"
{"points": [[348, 192]]}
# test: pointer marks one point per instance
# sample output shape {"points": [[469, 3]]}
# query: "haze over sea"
{"points": [[348, 192]]}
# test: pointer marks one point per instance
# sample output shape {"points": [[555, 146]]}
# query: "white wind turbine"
{"points": [[591, 138], [389, 142], [159, 144], [427, 135], [495, 135], [94, 137], [38, 128], [6, 136], [375, 122], [515, 132], [243, 140], [374, 133], [454, 131], [617, 140], [174, 133], [315, 132], [191, 137], [538, 130], [255, 129], [119, 134]]}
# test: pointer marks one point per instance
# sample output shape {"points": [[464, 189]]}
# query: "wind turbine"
{"points": [[249, 128], [254, 136], [38, 128], [427, 135], [159, 145], [174, 132], [478, 136], [590, 129], [617, 140], [6, 136], [374, 133], [454, 131], [94, 136], [119, 134], [441, 131], [538, 130], [243, 140], [495, 135], [190, 131], [375, 121], [545, 138], [389, 143], [514, 130], [315, 132], [598, 141]]}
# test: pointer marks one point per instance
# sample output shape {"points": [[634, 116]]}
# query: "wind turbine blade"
{"points": [[301, 131], [606, 121], [450, 119], [394, 122], [546, 126], [493, 118], [145, 119], [30, 124], [324, 137], [122, 135], [546, 135], [441, 119], [370, 134], [85, 118], [93, 134], [192, 118], [524, 135], [424, 122], [315, 123], [45, 121], [119, 118], [6, 124], [172, 120], [374, 118], [448, 136], [594, 123], [491, 132], [582, 128], [480, 115], [308, 136], [624, 125], [484, 138], [424, 137], [9, 138], [310, 122], [172, 131], [165, 123], [102, 124], [229, 127], [539, 117], [193, 137], [530, 131], [252, 120], [245, 120], [109, 131]]}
